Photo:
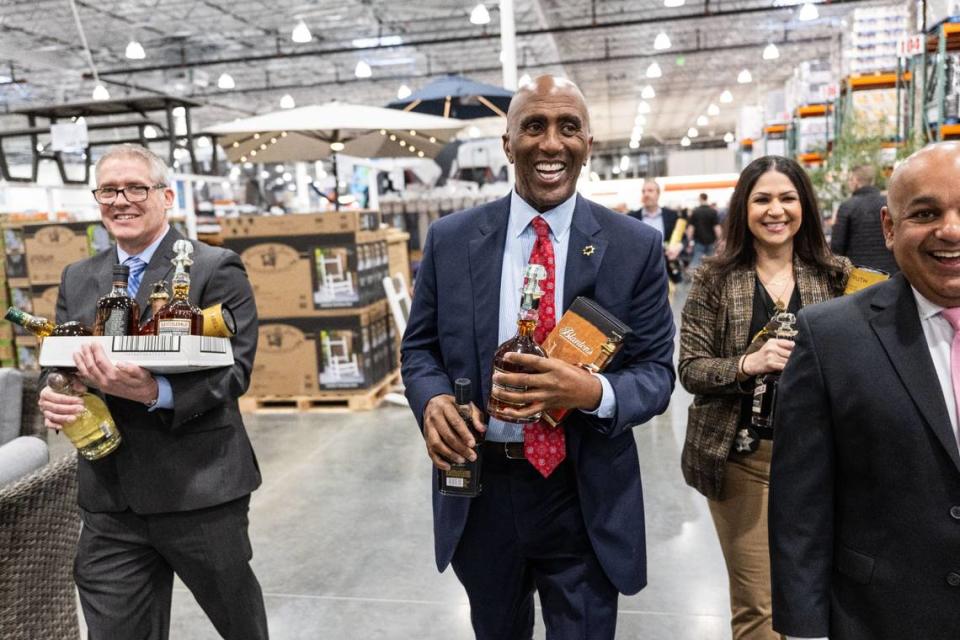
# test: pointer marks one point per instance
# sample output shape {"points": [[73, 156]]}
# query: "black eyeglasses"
{"points": [[133, 193]]}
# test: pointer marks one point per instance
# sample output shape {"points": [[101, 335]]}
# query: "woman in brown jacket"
{"points": [[775, 259]]}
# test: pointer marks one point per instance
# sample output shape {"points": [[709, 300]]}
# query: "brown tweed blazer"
{"points": [[713, 335]]}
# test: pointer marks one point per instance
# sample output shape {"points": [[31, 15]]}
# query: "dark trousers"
{"points": [[526, 533], [125, 565]]}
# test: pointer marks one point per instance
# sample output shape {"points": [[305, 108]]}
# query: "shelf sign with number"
{"points": [[909, 46]]}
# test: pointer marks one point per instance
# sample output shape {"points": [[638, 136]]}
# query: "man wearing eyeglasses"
{"points": [[173, 498]]}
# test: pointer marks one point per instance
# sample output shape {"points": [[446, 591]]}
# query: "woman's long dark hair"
{"points": [[809, 244]]}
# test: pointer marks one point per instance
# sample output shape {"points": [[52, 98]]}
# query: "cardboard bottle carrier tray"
{"points": [[159, 354]]}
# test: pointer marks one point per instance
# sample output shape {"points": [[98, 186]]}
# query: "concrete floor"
{"points": [[343, 545]]}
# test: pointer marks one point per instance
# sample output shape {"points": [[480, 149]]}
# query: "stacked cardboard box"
{"points": [[318, 283], [35, 256], [7, 351]]}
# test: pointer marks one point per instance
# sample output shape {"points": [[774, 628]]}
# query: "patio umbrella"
{"points": [[457, 97], [321, 131]]}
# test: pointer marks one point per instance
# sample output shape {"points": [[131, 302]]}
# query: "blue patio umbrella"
{"points": [[457, 97]]}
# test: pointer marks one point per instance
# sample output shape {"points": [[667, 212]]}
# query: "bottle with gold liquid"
{"points": [[93, 432], [179, 317], [117, 313], [158, 298], [764, 405], [522, 342]]}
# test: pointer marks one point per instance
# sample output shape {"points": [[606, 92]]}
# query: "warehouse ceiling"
{"points": [[605, 46]]}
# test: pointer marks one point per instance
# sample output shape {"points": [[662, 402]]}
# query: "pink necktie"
{"points": [[544, 446], [953, 317]]}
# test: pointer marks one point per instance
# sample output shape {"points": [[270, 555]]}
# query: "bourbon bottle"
{"points": [[179, 317], [117, 313], [93, 432], [158, 299], [41, 327], [765, 392], [522, 342], [463, 479]]}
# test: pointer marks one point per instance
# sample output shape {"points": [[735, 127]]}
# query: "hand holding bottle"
{"points": [[770, 358], [446, 435], [60, 409], [123, 380], [552, 384]]}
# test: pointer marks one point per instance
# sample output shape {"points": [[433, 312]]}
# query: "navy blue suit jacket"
{"points": [[452, 333]]}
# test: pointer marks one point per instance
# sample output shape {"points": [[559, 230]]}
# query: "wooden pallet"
{"points": [[325, 401]]}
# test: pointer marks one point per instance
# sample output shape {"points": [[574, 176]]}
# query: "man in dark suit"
{"points": [[856, 231], [865, 484], [575, 532], [664, 220], [174, 496]]}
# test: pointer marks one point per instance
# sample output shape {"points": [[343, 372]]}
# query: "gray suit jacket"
{"points": [[865, 479], [197, 454]]}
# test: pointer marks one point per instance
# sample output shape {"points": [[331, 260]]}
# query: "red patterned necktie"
{"points": [[545, 446]]}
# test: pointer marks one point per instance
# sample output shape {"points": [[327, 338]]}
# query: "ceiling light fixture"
{"points": [[713, 110], [286, 102], [301, 33], [648, 93], [149, 132], [726, 97], [702, 121], [640, 120], [480, 15], [728, 137], [100, 92], [653, 71], [403, 92], [808, 12], [770, 52], [662, 41], [363, 70], [635, 144], [673, 4], [692, 132], [744, 77], [225, 81], [135, 51], [685, 141], [643, 107], [336, 146]]}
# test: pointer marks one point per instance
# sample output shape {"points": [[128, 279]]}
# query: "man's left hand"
{"points": [[123, 380], [553, 384], [674, 250]]}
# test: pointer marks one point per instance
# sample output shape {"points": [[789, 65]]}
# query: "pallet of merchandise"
{"points": [[324, 401]]}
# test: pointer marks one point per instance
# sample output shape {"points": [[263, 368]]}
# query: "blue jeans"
{"points": [[701, 251]]}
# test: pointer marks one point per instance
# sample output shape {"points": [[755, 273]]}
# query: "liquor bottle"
{"points": [[158, 298], [178, 317], [675, 267], [765, 392], [463, 479], [117, 313], [522, 342], [93, 432], [41, 327]]}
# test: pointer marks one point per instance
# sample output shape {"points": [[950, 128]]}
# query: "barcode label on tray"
{"points": [[146, 344], [213, 345]]}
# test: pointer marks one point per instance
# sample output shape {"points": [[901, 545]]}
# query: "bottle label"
{"points": [[174, 327], [509, 388], [116, 324]]}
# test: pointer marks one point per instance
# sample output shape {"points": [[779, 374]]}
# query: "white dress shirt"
{"points": [[516, 253]]}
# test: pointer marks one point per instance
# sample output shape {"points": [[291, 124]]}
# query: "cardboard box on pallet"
{"points": [[27, 351], [311, 264], [14, 257], [51, 247], [305, 356]]}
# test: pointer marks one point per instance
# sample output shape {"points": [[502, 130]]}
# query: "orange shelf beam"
{"points": [[877, 81], [810, 158], [952, 32], [775, 128], [949, 131], [700, 186], [812, 110]]}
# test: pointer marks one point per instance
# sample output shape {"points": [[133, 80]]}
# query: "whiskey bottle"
{"points": [[522, 342], [765, 392], [41, 327], [93, 432], [179, 317], [158, 298], [117, 313], [463, 479]]}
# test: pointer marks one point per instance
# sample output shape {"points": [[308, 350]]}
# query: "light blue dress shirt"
{"points": [[654, 220], [164, 390], [521, 237]]}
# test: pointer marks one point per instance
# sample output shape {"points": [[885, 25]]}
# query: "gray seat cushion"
{"points": [[20, 457], [11, 393]]}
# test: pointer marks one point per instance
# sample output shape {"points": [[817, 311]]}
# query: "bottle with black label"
{"points": [[463, 479], [117, 313]]}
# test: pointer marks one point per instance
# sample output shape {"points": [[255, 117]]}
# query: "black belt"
{"points": [[505, 450], [763, 433]]}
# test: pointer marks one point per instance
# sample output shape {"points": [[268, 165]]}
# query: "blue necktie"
{"points": [[137, 267]]}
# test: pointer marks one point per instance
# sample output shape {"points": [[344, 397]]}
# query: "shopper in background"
{"points": [[703, 231], [173, 498], [663, 219], [856, 231], [576, 534], [865, 492], [776, 258]]}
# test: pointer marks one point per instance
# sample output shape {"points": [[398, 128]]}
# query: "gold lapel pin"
{"points": [[588, 250]]}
